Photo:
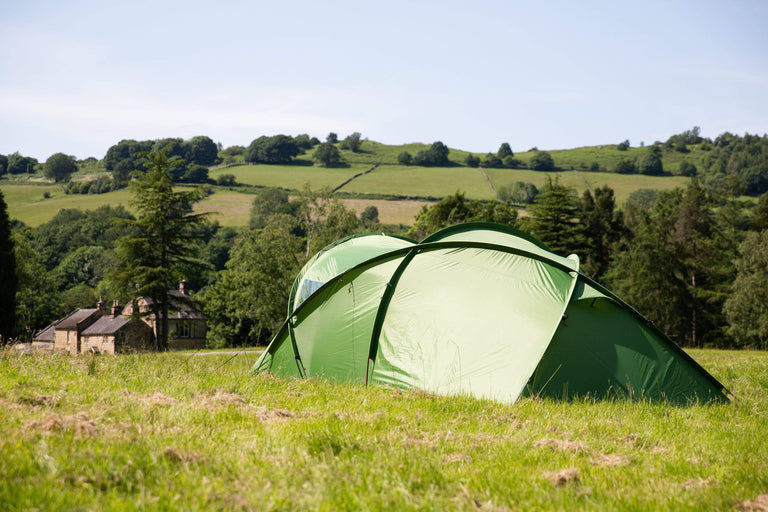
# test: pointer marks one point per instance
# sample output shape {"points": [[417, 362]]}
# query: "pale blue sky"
{"points": [[79, 76]]}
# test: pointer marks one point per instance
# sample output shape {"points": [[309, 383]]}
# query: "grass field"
{"points": [[178, 431], [292, 177]]}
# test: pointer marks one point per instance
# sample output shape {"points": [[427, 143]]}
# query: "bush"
{"points": [[405, 158], [542, 161], [626, 166], [687, 168], [491, 161], [511, 162], [472, 160], [226, 180]]}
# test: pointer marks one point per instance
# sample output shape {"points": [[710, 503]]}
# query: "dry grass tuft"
{"points": [[567, 445], [759, 504], [38, 400], [175, 455], [221, 400], [272, 415], [698, 483], [609, 459], [560, 478], [79, 423], [159, 399]]}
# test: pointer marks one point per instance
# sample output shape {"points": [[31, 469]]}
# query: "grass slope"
{"points": [[26, 202], [178, 431]]}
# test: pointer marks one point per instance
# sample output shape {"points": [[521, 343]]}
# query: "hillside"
{"points": [[34, 200]]}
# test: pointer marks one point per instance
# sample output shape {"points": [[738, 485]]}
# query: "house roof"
{"points": [[46, 334], [70, 321], [107, 324]]}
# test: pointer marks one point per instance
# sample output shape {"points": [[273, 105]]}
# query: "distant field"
{"points": [[422, 182], [622, 184], [26, 202], [233, 208], [292, 177]]}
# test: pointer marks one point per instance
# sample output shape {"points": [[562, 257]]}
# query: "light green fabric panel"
{"points": [[340, 257], [279, 357], [334, 338], [470, 321], [603, 350], [504, 239]]}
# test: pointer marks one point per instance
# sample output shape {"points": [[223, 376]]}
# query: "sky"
{"points": [[78, 76]]}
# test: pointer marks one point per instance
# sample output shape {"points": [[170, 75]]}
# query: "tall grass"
{"points": [[174, 431]]}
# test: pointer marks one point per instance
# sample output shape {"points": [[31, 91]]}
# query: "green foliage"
{"points": [[226, 180], [455, 209], [159, 243], [327, 154], [60, 167], [352, 142], [332, 138], [278, 149], [672, 268], [8, 276], [405, 158], [519, 192], [267, 258], [37, 304], [554, 218], [747, 306], [687, 169], [472, 161], [623, 146], [504, 151], [602, 228], [626, 166], [542, 161], [100, 185], [3, 164], [650, 164], [435, 156], [744, 157], [202, 151], [72, 229], [268, 202], [492, 161], [248, 301], [369, 217], [511, 162], [18, 164]]}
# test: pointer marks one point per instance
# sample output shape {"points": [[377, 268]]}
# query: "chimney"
{"points": [[115, 308], [100, 305], [183, 288]]}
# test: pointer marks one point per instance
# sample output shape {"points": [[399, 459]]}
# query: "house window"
{"points": [[184, 330]]}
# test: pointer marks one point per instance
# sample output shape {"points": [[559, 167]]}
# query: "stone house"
{"points": [[118, 331], [186, 323]]}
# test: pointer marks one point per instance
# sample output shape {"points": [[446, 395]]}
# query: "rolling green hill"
{"points": [[35, 201]]}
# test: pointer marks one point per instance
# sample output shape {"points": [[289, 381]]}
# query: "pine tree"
{"points": [[555, 218], [8, 276], [603, 226], [160, 244]]}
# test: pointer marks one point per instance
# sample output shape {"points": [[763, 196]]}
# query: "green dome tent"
{"points": [[478, 309]]}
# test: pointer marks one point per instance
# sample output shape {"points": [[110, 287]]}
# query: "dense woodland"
{"points": [[693, 260]]}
